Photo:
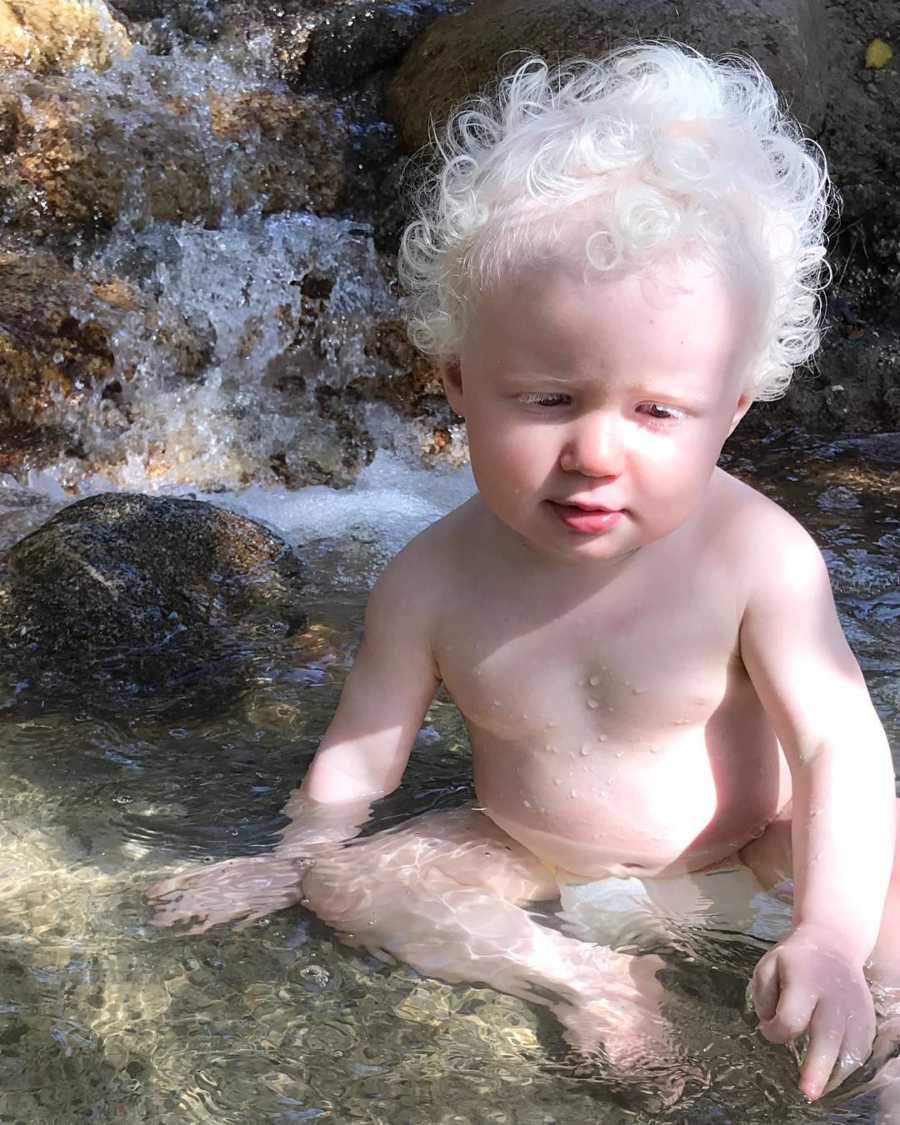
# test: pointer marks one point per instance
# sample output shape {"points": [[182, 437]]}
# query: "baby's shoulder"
{"points": [[424, 570], [754, 535]]}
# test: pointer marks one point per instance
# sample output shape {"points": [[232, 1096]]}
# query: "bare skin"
{"points": [[649, 663]]}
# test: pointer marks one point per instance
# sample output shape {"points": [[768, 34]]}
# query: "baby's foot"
{"points": [[236, 890], [616, 1018]]}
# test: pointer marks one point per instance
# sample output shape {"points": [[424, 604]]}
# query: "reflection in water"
{"points": [[104, 1018]]}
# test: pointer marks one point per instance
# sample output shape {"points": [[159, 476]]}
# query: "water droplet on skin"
{"points": [[557, 781], [594, 680], [593, 704], [620, 753], [495, 703], [652, 749], [585, 751], [547, 746], [571, 793], [681, 722], [601, 738], [639, 690], [527, 804]]}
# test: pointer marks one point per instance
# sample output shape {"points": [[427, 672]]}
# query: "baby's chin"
{"points": [[585, 551]]}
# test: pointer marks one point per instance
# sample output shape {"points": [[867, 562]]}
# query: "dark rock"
{"points": [[461, 54], [351, 42], [147, 589]]}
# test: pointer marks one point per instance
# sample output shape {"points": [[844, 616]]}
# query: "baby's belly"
{"points": [[630, 810]]}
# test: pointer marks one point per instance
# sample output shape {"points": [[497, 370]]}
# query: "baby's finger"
{"points": [[856, 1048], [792, 1016], [826, 1035], [764, 986], [847, 1063]]}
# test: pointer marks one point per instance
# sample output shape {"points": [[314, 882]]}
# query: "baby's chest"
{"points": [[604, 671]]}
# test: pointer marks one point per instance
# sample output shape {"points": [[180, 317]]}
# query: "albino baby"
{"points": [[612, 262]]}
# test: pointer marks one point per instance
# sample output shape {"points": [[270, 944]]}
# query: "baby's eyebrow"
{"points": [[643, 389]]}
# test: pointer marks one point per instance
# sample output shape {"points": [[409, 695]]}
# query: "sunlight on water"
{"points": [[104, 1018]]}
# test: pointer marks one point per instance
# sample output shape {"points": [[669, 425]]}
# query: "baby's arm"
{"points": [[843, 809], [362, 757]]}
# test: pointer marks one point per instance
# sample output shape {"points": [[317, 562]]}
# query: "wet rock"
{"points": [[461, 54], [158, 588], [53, 35], [350, 42], [58, 349], [82, 155], [46, 347], [297, 153]]}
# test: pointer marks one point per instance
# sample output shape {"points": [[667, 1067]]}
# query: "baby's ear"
{"points": [[451, 377], [743, 405]]}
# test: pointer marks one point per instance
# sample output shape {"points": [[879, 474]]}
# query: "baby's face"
{"points": [[596, 409]]}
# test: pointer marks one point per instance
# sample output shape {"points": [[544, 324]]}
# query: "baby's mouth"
{"points": [[584, 519]]}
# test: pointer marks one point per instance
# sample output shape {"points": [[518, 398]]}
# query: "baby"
{"points": [[613, 262]]}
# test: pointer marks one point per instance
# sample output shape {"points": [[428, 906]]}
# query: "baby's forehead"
{"points": [[552, 272], [677, 313]]}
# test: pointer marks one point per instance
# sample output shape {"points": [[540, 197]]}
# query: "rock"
{"points": [[156, 589], [461, 54], [294, 151], [351, 41], [53, 35], [58, 349], [45, 347], [81, 157]]}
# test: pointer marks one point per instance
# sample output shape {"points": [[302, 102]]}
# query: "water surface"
{"points": [[103, 1018]]}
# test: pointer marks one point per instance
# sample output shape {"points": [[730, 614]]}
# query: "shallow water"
{"points": [[103, 1018]]}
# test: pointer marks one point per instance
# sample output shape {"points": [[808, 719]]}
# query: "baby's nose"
{"points": [[594, 447]]}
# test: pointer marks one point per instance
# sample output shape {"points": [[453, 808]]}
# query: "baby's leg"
{"points": [[443, 894]]}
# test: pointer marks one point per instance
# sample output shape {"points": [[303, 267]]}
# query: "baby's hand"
{"points": [[243, 889], [807, 983]]}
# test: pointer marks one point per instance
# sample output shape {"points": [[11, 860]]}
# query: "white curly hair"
{"points": [[661, 151]]}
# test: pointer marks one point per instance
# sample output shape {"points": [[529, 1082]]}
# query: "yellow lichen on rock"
{"points": [[46, 35], [878, 54]]}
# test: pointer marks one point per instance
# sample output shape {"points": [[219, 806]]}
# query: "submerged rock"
{"points": [[145, 590]]}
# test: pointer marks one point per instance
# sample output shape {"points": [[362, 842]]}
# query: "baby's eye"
{"points": [[536, 398], [662, 413]]}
